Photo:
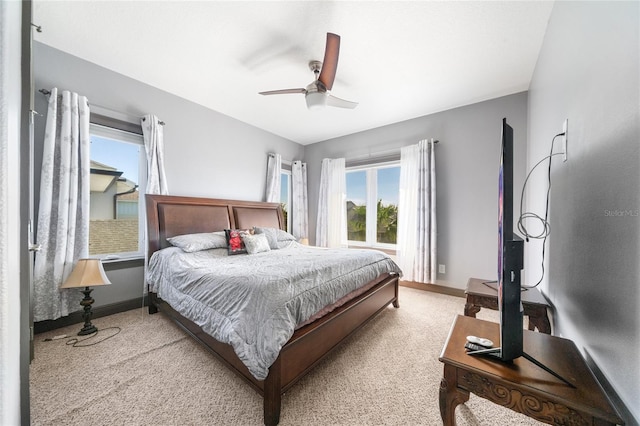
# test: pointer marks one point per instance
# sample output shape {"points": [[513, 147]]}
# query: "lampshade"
{"points": [[87, 273], [304, 241]]}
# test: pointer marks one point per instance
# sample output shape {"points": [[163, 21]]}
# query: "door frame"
{"points": [[26, 209]]}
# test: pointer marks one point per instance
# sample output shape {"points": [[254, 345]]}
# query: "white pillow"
{"points": [[256, 243], [197, 242], [270, 233]]}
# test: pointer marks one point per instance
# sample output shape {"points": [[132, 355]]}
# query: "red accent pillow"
{"points": [[235, 245]]}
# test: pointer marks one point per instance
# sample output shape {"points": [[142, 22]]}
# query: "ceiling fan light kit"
{"points": [[316, 100], [317, 92]]}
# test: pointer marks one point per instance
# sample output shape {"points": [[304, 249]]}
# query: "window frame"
{"points": [[372, 200], [131, 133]]}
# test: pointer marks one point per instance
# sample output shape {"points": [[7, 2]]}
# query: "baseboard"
{"points": [[625, 413], [434, 288], [126, 305], [100, 311]]}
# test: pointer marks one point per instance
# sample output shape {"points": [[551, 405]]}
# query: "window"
{"points": [[357, 205], [285, 196], [117, 180], [372, 205]]}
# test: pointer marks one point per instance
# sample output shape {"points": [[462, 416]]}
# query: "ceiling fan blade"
{"points": [[340, 103], [330, 62], [283, 91]]}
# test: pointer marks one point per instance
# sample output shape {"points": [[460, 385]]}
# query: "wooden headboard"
{"points": [[168, 216]]}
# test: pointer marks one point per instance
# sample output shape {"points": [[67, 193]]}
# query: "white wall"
{"points": [[588, 72], [467, 161], [10, 108]]}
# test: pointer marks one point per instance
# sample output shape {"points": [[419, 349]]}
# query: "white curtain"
{"points": [[299, 202], [153, 134], [416, 247], [274, 166], [331, 228], [63, 214]]}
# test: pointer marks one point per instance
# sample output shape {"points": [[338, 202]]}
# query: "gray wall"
{"points": [[588, 72], [207, 154], [467, 159]]}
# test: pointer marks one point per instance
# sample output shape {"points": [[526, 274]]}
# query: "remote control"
{"points": [[480, 341], [473, 347]]}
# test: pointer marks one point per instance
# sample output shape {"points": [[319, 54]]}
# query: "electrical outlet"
{"points": [[441, 269], [565, 130]]}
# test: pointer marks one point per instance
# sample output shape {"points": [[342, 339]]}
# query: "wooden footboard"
{"points": [[308, 345]]}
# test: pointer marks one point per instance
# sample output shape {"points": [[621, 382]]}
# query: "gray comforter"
{"points": [[254, 302]]}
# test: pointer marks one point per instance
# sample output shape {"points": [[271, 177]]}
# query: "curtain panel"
{"points": [[153, 135], [63, 215], [299, 201], [417, 231], [274, 169], [331, 227]]}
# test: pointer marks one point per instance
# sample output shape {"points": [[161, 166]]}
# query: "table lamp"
{"points": [[87, 272], [304, 241]]}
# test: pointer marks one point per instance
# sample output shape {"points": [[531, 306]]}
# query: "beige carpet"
{"points": [[153, 374]]}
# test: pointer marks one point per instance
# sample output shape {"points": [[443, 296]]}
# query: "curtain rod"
{"points": [[283, 160], [382, 156], [160, 122], [48, 92]]}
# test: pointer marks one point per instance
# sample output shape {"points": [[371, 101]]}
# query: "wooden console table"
{"points": [[535, 306], [521, 385]]}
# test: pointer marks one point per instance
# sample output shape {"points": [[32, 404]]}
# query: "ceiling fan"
{"points": [[317, 92]]}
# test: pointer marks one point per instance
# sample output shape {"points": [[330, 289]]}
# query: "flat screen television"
{"points": [[510, 256], [510, 265]]}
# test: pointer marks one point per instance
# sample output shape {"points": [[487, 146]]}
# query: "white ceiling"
{"points": [[399, 60]]}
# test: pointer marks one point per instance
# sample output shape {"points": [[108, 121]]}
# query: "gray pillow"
{"points": [[197, 242], [256, 243], [270, 233], [284, 235]]}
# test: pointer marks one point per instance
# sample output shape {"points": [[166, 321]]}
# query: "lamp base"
{"points": [[86, 303], [87, 330]]}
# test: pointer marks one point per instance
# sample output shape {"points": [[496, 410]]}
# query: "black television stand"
{"points": [[495, 352], [545, 368]]}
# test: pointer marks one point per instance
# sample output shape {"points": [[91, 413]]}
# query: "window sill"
{"points": [[112, 262], [390, 251]]}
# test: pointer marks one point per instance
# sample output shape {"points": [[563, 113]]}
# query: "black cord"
{"points": [[546, 227], [75, 342]]}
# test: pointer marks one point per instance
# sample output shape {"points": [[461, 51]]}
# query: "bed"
{"points": [[308, 344]]}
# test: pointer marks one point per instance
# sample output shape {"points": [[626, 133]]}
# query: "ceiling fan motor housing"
{"points": [[315, 66]]}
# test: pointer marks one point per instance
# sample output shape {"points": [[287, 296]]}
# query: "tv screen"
{"points": [[510, 255]]}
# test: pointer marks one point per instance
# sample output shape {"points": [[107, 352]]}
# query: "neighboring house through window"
{"points": [[118, 174], [372, 205]]}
